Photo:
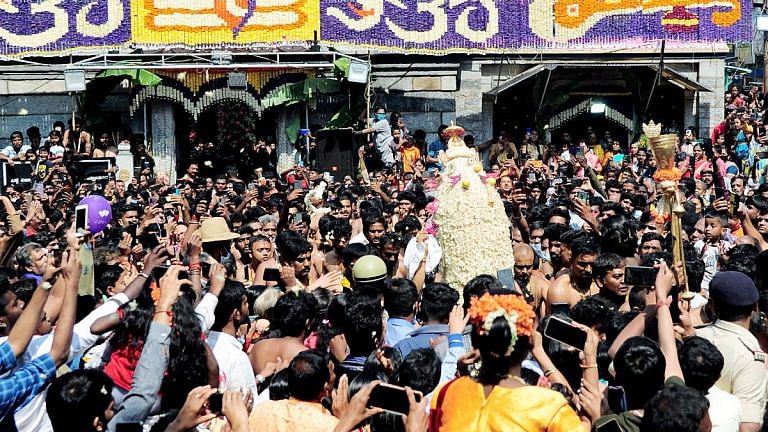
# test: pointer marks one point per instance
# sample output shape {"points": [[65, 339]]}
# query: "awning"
{"points": [[670, 75], [517, 79], [679, 79]]}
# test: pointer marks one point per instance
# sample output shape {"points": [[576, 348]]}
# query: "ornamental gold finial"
{"points": [[651, 129]]}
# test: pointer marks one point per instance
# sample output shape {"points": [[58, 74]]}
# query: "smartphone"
{"points": [[297, 185], [532, 176], [159, 271], [640, 276], [564, 332], [272, 274], [392, 398], [81, 218], [130, 427], [583, 196], [215, 402], [131, 230], [427, 175], [610, 426], [150, 240], [297, 218], [506, 279]]}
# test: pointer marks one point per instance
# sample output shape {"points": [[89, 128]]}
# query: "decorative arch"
{"points": [[195, 91]]}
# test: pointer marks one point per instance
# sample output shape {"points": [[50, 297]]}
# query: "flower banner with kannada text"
{"points": [[29, 27], [45, 26], [480, 25]]}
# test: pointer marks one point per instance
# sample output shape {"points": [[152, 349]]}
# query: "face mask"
{"points": [[541, 253], [380, 117]]}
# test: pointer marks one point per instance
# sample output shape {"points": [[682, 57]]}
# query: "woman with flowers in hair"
{"points": [[495, 398]]}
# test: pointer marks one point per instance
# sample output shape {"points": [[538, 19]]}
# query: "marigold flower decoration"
{"points": [[518, 313]]}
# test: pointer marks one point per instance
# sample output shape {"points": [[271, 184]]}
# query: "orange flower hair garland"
{"points": [[518, 313]]}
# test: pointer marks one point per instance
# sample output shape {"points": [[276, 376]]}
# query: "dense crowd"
{"points": [[267, 295]]}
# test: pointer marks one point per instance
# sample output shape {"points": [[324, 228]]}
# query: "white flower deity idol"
{"points": [[473, 229]]}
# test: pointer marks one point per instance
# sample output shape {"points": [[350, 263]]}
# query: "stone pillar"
{"points": [[711, 104], [469, 102], [164, 138], [124, 162]]}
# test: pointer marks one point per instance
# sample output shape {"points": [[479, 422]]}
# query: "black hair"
{"points": [[187, 360], [75, 399], [374, 366], [353, 252], [584, 245], [653, 236], [743, 258], [557, 211], [605, 263], [292, 249], [107, 276], [701, 363], [437, 301], [278, 385], [617, 235], [292, 313], [309, 375], [676, 408], [420, 370], [553, 232], [341, 228], [722, 217], [24, 288], [400, 295], [370, 220], [479, 285], [363, 325], [494, 346], [639, 365], [230, 300], [758, 202], [594, 311]]}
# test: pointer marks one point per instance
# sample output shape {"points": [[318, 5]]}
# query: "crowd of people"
{"points": [[270, 296]]}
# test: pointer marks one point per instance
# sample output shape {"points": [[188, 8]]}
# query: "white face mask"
{"points": [[541, 253]]}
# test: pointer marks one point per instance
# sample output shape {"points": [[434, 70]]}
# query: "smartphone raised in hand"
{"points": [[566, 333], [81, 219], [640, 276], [392, 399]]}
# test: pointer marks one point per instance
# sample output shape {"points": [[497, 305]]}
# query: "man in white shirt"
{"points": [[702, 364], [16, 150], [235, 370], [373, 228]]}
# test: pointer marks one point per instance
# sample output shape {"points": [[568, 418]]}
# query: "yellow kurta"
{"points": [[522, 409]]}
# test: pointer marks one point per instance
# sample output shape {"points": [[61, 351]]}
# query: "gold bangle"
{"points": [[549, 372]]}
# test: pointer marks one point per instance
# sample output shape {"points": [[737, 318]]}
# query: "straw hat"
{"points": [[215, 229]]}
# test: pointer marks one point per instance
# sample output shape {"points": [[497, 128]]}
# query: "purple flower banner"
{"points": [[50, 26], [480, 25]]}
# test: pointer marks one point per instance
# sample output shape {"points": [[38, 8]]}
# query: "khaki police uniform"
{"points": [[744, 372]]}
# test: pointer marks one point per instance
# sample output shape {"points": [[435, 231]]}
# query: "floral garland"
{"points": [[518, 313]]}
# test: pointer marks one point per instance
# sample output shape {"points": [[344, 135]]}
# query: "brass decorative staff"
{"points": [[669, 207]]}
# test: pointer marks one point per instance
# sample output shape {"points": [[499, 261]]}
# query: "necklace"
{"points": [[518, 379]]}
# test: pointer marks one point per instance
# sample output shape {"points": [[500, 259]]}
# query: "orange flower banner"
{"points": [[218, 23]]}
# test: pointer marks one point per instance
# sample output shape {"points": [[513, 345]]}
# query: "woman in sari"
{"points": [[497, 399]]}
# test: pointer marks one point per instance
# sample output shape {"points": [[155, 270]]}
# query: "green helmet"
{"points": [[368, 269]]}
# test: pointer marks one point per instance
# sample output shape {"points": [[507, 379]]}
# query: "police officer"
{"points": [[734, 299], [369, 271]]}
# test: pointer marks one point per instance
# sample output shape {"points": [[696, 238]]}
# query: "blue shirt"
{"points": [[433, 150], [420, 338], [24, 383], [397, 330]]}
